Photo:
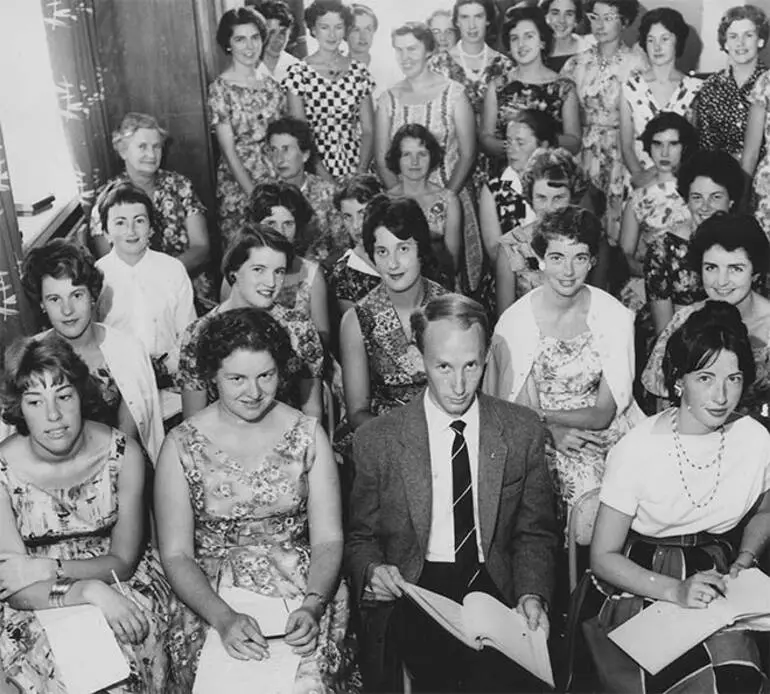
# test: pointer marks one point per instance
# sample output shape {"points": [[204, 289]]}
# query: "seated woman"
{"points": [[733, 255], [72, 522], [684, 502], [63, 280], [413, 155], [254, 267], [566, 350], [551, 181], [180, 226], [710, 182], [657, 207], [146, 294], [354, 274], [277, 532]]}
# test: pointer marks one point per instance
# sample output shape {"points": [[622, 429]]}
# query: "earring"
{"points": [[678, 390]]}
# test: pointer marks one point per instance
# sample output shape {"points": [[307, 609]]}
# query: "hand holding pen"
{"points": [[701, 589]]}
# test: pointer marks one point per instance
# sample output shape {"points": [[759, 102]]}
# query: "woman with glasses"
{"points": [[443, 29], [598, 74]]}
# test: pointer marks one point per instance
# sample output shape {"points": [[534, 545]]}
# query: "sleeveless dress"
{"points": [[251, 528], [75, 523]]}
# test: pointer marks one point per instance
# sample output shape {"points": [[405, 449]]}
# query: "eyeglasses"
{"points": [[605, 18]]}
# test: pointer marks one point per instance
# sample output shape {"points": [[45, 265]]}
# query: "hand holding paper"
{"points": [[242, 638], [302, 631]]}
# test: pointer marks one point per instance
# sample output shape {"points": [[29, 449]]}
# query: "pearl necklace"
{"points": [[476, 73], [682, 457]]}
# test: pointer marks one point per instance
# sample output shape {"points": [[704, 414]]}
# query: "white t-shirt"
{"points": [[643, 478]]}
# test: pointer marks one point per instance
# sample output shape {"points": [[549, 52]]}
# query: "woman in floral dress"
{"points": [[242, 102], [247, 496], [74, 522]]}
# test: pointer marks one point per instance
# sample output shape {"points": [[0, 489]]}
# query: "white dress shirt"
{"points": [[441, 542], [152, 300]]}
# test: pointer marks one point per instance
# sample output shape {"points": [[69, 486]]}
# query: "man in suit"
{"points": [[451, 492]]}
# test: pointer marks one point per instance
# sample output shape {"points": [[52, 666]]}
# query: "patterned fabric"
{"points": [[722, 111], [348, 283], [333, 110], [76, 523], [248, 110], [524, 262], [599, 89], [667, 273], [251, 523], [567, 374], [517, 96], [329, 235], [174, 200], [644, 107], [436, 209], [109, 394], [760, 94]]}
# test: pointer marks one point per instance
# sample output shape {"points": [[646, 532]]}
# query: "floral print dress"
{"points": [[352, 278], [760, 94], [251, 529], [75, 523], [248, 110], [667, 274]]}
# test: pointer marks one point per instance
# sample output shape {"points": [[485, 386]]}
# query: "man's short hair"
{"points": [[454, 307]]}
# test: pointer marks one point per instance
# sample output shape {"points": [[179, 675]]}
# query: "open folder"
{"points": [[484, 621], [663, 632]]}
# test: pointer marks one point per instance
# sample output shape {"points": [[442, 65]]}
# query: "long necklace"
{"points": [[682, 458], [474, 72]]}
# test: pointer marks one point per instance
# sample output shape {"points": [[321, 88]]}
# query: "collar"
{"points": [[510, 175], [131, 268], [438, 420]]}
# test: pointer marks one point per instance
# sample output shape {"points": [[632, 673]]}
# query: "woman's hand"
{"points": [[744, 560], [18, 571], [125, 617], [572, 441], [700, 589], [242, 637], [302, 631]]}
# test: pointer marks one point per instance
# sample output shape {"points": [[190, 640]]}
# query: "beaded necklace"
{"points": [[471, 71], [682, 457]]}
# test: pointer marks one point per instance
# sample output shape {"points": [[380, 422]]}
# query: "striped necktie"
{"points": [[466, 548]]}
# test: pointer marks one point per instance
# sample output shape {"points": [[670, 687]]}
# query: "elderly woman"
{"points": [[683, 503], [599, 74], [661, 88], [63, 280], [413, 156], [566, 349], [563, 16], [732, 254], [443, 29], [333, 93], [180, 224], [72, 523], [277, 533], [242, 102]]}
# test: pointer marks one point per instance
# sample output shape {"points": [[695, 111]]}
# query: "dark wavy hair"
{"points": [[490, 9], [298, 129], [124, 193], [419, 133], [28, 359], [402, 217], [361, 188], [319, 8], [273, 9], [571, 223], [543, 125], [557, 166], [528, 14], [266, 196], [668, 120], [253, 236], [731, 232], [420, 31], [671, 20], [237, 17], [752, 13], [720, 167], [706, 332], [60, 259], [627, 9], [545, 5]]}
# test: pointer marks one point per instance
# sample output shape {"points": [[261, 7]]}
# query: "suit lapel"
{"points": [[492, 456]]}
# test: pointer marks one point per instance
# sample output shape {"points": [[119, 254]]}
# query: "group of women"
{"points": [[586, 192]]}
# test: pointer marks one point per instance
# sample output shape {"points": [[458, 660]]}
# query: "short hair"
{"points": [[441, 13], [528, 14], [318, 8], [253, 236], [731, 232], [361, 188], [706, 332], [424, 136], [557, 166], [123, 193], [132, 122], [668, 120], [28, 359], [734, 14], [571, 223], [60, 259], [419, 30], [627, 9], [274, 9], [270, 194], [402, 217], [490, 9], [237, 17], [543, 125], [671, 20], [457, 308], [298, 129], [360, 10], [719, 166], [545, 5]]}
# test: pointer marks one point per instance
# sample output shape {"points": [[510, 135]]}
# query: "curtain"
{"points": [[16, 316], [71, 32]]}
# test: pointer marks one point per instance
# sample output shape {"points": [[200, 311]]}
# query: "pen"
{"points": [[122, 589], [719, 590]]}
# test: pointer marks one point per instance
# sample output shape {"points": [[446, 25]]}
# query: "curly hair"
{"points": [[731, 232], [557, 166], [571, 223], [719, 166], [402, 217], [528, 14], [60, 259], [298, 129], [28, 359], [257, 236], [671, 20], [273, 9], [668, 120], [238, 17], [318, 8], [490, 9], [268, 195], [735, 14], [627, 9], [543, 125], [424, 136], [132, 122], [361, 188]]}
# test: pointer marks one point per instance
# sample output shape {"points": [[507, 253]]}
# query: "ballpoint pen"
{"points": [[122, 590]]}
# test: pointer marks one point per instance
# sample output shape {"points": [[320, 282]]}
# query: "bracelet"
{"points": [[753, 556], [58, 590], [316, 594], [59, 569]]}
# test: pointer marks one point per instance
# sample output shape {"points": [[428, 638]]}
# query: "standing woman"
{"points": [[333, 93], [563, 16], [444, 32], [599, 74], [662, 33], [242, 103]]}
